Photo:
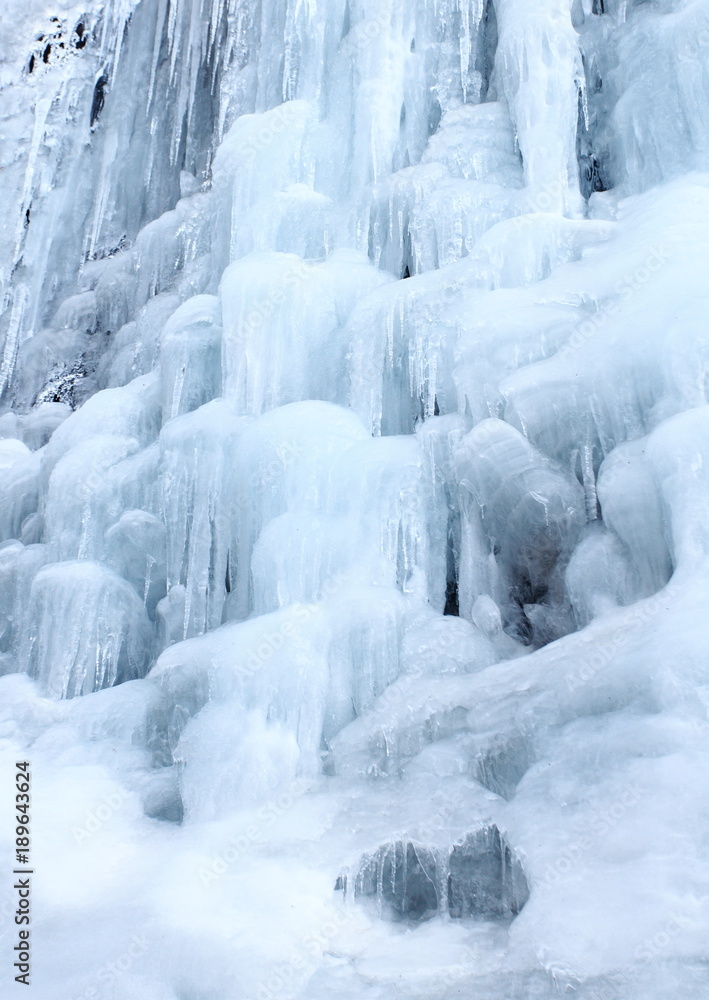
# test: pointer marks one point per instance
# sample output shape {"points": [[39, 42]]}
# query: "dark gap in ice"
{"points": [[599, 7], [99, 99], [487, 47], [434, 117], [502, 767], [452, 606], [593, 178], [101, 253], [198, 127], [50, 45], [408, 268], [165, 804], [516, 624], [67, 383], [594, 175], [81, 37], [347, 21], [529, 590]]}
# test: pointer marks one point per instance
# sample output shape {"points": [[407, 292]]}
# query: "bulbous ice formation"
{"points": [[106, 638]]}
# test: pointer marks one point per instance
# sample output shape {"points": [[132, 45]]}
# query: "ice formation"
{"points": [[353, 497]]}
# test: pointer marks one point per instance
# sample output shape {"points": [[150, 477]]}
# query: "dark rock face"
{"points": [[480, 878], [405, 878], [486, 879]]}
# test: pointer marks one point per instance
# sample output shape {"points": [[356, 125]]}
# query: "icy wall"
{"points": [[353, 508]]}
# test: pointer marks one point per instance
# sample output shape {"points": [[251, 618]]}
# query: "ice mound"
{"points": [[108, 641]]}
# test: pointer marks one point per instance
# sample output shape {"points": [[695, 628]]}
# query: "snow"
{"points": [[353, 496]]}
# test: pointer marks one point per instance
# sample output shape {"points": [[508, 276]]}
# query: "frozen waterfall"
{"points": [[354, 513]]}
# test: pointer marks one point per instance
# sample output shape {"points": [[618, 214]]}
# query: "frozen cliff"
{"points": [[354, 513]]}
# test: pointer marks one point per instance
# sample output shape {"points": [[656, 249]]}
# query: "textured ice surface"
{"points": [[354, 438]]}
